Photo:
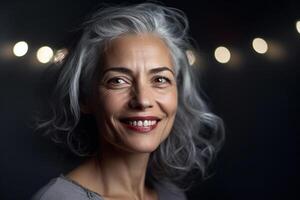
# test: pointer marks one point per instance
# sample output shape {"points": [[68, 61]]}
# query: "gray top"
{"points": [[63, 188]]}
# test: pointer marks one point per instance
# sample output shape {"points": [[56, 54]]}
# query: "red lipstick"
{"points": [[140, 124]]}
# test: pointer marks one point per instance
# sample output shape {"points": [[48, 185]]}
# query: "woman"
{"points": [[126, 100]]}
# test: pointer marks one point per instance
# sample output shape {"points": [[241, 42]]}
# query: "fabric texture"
{"points": [[63, 188]]}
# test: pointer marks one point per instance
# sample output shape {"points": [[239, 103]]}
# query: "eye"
{"points": [[161, 80], [117, 82]]}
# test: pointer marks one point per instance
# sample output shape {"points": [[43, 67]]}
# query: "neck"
{"points": [[115, 173], [122, 171]]}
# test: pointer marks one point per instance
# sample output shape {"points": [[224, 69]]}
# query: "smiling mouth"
{"points": [[140, 125]]}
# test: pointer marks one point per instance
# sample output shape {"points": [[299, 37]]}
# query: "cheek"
{"points": [[111, 101], [108, 104], [168, 101]]}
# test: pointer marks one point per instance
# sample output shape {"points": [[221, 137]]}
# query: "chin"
{"points": [[142, 147]]}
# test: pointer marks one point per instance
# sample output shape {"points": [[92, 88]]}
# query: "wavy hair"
{"points": [[197, 134]]}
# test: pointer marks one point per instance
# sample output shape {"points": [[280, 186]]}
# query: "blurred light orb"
{"points": [[260, 45], [298, 26], [20, 48], [60, 55], [190, 56], [222, 54], [44, 54]]}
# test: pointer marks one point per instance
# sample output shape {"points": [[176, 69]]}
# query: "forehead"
{"points": [[142, 49]]}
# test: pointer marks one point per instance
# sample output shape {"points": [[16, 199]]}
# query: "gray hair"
{"points": [[197, 134]]}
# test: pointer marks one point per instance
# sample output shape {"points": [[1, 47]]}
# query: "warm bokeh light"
{"points": [[191, 56], [260, 45], [44, 54], [60, 55], [20, 48], [298, 26], [222, 54]]}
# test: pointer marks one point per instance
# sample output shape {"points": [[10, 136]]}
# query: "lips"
{"points": [[141, 124]]}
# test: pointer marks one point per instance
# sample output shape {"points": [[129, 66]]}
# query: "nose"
{"points": [[141, 98]]}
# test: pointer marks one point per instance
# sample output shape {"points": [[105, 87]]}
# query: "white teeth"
{"points": [[145, 123], [142, 123]]}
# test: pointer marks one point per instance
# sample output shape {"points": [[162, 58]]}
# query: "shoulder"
{"points": [[59, 188], [169, 191]]}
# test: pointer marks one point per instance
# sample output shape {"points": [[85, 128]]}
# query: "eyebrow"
{"points": [[129, 72]]}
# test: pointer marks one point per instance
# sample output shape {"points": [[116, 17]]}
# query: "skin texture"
{"points": [[137, 79]]}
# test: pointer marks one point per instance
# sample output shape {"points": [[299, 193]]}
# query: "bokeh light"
{"points": [[44, 54], [222, 54], [20, 48], [298, 26], [260, 45]]}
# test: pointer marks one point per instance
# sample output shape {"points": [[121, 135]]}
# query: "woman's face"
{"points": [[135, 100]]}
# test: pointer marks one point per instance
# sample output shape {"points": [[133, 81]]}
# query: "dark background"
{"points": [[256, 95]]}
